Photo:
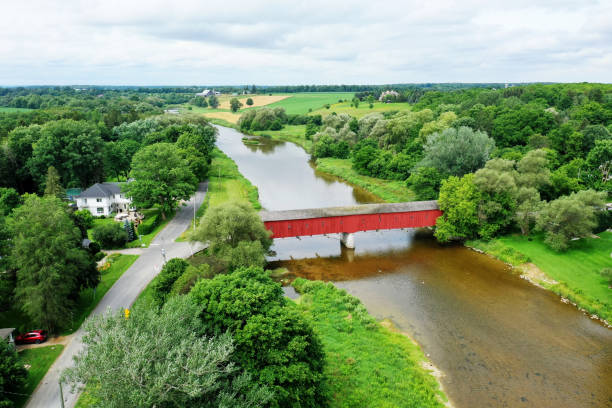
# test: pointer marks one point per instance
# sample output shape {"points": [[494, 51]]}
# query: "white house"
{"points": [[104, 199]]}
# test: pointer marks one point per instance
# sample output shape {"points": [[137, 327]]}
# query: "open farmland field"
{"points": [[258, 100], [227, 116], [364, 108], [299, 103]]}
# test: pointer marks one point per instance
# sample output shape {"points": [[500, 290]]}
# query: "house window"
{"points": [[100, 210], [84, 201], [98, 200]]}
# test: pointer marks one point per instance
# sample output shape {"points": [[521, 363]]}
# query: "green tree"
{"points": [[459, 199], [163, 282], [355, 102], [189, 278], [161, 359], [161, 178], [249, 101], [425, 182], [273, 340], [213, 102], [497, 185], [9, 200], [529, 206], [568, 217], [235, 234], [235, 104], [457, 151], [74, 148], [533, 170], [53, 186], [600, 160], [51, 265], [110, 235], [83, 220], [12, 374]]}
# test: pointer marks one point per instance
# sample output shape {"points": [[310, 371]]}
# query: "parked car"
{"points": [[34, 336]]}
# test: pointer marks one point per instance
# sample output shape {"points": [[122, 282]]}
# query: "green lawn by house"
{"points": [[85, 304], [87, 301], [577, 270], [39, 360]]}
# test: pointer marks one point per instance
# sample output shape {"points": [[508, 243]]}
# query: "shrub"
{"points": [[110, 235], [12, 374], [162, 284], [190, 277], [148, 224], [273, 340]]}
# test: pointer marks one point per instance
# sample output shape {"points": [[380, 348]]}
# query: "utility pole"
{"points": [[61, 393]]}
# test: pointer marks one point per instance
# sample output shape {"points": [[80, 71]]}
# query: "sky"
{"points": [[134, 42]]}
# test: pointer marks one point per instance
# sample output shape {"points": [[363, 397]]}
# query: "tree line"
{"points": [[487, 139]]}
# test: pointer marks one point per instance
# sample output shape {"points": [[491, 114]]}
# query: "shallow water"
{"points": [[500, 341]]}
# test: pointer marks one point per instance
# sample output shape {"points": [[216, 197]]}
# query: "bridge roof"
{"points": [[348, 210]]}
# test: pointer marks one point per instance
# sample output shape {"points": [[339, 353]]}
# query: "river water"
{"points": [[500, 341]]}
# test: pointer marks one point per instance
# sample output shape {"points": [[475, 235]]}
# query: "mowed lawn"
{"points": [[300, 103], [38, 360], [578, 269]]}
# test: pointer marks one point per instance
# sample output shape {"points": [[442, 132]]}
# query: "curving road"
{"points": [[123, 293]]}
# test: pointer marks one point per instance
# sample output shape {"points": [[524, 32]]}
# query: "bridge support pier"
{"points": [[348, 239]]}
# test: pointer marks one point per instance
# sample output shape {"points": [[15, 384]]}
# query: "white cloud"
{"points": [[279, 42]]}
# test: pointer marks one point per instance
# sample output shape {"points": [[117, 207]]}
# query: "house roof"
{"points": [[101, 190], [5, 333]]}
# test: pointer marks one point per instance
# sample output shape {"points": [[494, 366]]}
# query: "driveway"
{"points": [[122, 295]]}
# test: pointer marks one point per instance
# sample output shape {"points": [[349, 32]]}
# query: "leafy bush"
{"points": [[148, 224], [162, 284], [273, 340], [190, 277], [12, 374], [160, 358], [110, 235]]}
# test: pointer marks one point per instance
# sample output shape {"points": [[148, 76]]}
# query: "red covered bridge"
{"points": [[347, 220]]}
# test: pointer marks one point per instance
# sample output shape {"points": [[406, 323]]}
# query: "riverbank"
{"points": [[574, 275], [368, 365]]}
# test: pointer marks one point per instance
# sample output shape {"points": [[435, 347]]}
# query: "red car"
{"points": [[34, 336]]}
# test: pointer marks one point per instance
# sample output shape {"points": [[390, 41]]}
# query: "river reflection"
{"points": [[500, 341]]}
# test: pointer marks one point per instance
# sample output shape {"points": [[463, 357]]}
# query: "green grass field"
{"points": [[577, 270], [300, 103], [39, 359], [364, 109], [368, 365], [388, 190], [6, 109]]}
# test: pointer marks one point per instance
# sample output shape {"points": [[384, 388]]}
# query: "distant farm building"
{"points": [[390, 94], [208, 92]]}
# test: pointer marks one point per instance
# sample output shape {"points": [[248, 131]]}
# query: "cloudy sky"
{"points": [[186, 42]]}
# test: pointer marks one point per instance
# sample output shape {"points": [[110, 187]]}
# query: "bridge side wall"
{"points": [[352, 223]]}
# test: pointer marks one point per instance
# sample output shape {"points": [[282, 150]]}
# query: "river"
{"points": [[500, 341]]}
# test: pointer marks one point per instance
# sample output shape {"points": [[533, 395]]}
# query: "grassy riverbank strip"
{"points": [[368, 365], [290, 133], [576, 272], [391, 191], [37, 360]]}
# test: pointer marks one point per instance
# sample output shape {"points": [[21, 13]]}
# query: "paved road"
{"points": [[123, 293]]}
